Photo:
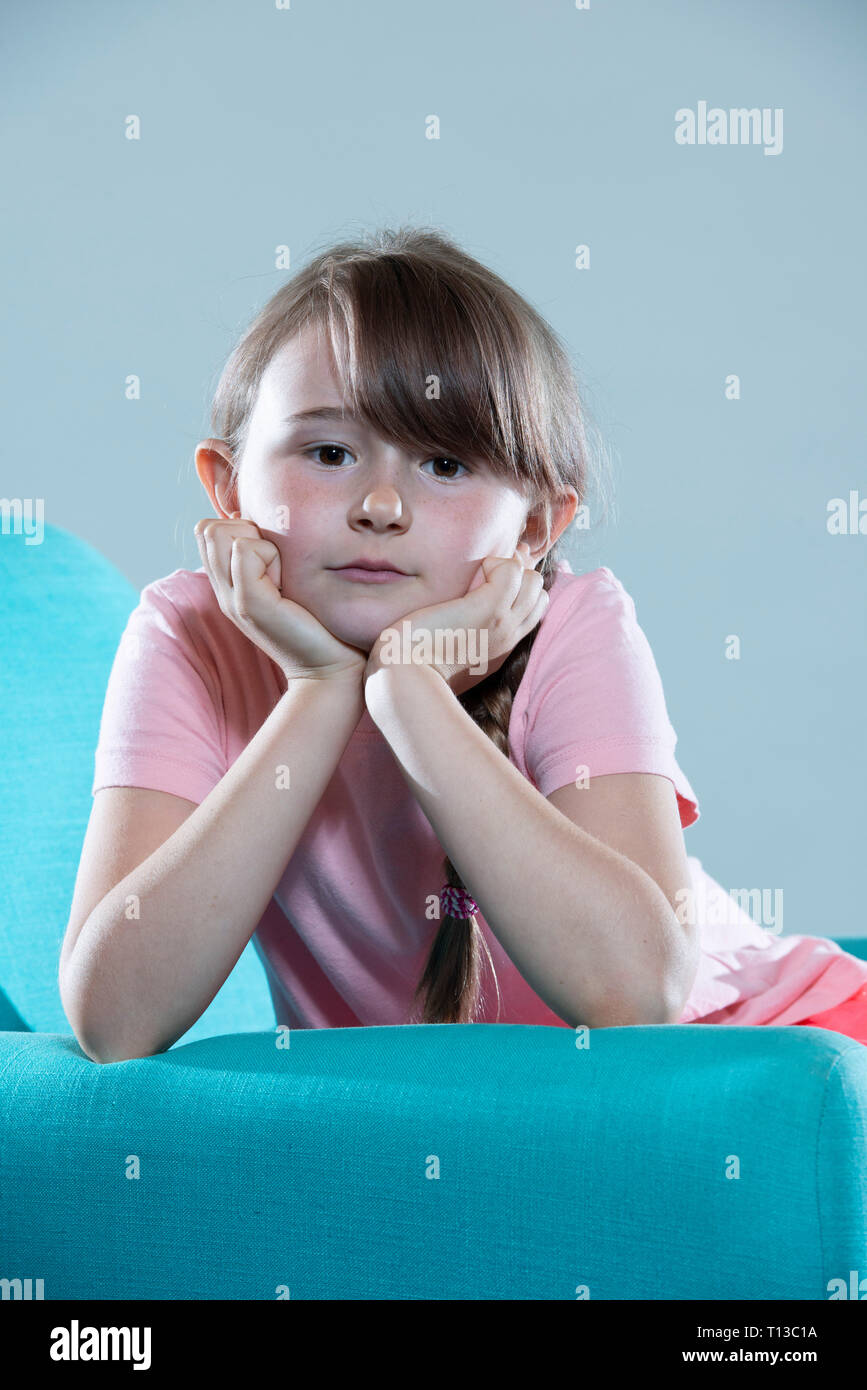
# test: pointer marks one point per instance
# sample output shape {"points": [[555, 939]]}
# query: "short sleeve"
{"points": [[161, 725], [595, 695]]}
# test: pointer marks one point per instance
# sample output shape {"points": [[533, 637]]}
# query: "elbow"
{"points": [[72, 997], [103, 1054], [633, 1014], [674, 980], [104, 1050], [662, 1007], [93, 1047], [94, 1041], [682, 962], [103, 1059], [665, 1008]]}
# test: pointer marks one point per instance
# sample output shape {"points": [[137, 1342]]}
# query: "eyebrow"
{"points": [[319, 412]]}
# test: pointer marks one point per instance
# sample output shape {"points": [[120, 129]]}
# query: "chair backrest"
{"points": [[63, 607]]}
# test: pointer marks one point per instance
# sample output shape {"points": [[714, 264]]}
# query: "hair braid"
{"points": [[451, 978]]}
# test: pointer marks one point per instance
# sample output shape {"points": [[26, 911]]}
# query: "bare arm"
{"points": [[131, 986], [592, 933]]}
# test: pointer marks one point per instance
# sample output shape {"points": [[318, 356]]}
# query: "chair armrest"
{"points": [[476, 1161]]}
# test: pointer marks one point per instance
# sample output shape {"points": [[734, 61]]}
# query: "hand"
{"points": [[244, 570], [505, 601]]}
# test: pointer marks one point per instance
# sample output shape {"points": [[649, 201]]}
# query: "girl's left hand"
{"points": [[505, 600]]}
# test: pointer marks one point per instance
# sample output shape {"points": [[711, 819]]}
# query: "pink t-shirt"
{"points": [[345, 937]]}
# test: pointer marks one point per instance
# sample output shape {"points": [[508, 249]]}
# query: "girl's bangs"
{"points": [[422, 361]]}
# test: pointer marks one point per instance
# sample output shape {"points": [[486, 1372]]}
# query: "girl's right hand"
{"points": [[244, 570]]}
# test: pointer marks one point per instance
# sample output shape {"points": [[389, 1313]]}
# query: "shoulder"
{"points": [[181, 613], [591, 694], [183, 605], [589, 649], [178, 620], [595, 591], [186, 592], [593, 607]]}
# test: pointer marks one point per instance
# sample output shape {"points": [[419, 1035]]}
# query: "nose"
{"points": [[381, 509]]}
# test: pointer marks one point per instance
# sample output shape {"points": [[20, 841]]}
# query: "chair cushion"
{"points": [[63, 607]]}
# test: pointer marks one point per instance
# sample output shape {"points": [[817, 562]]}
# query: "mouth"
{"points": [[364, 574]]}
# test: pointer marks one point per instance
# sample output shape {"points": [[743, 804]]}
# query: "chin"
{"points": [[364, 635], [359, 633], [362, 629]]}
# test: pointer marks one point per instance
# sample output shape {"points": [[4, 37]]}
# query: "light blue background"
{"points": [[263, 126]]}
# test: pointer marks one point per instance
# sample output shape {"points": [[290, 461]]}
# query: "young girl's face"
{"points": [[348, 494]]}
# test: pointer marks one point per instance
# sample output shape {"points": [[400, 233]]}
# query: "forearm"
{"points": [[587, 928], [135, 985]]}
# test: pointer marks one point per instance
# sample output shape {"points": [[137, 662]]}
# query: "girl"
{"points": [[384, 729]]}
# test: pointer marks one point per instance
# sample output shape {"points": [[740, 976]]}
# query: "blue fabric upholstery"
{"points": [[488, 1161], [63, 608]]}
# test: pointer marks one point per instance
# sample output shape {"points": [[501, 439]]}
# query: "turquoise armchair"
{"points": [[486, 1161]]}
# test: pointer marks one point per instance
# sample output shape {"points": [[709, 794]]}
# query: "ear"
{"points": [[218, 476], [547, 521]]}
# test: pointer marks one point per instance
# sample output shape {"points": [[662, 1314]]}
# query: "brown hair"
{"points": [[398, 307]]}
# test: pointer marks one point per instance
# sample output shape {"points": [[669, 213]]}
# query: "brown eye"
{"points": [[327, 448], [449, 462]]}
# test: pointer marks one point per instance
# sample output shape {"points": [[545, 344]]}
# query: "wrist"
{"points": [[403, 673], [350, 678], [338, 692], [391, 687], [340, 702]]}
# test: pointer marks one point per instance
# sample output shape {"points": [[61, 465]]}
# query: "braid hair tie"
{"points": [[456, 902]]}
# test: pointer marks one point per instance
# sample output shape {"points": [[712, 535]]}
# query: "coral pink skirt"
{"points": [[849, 1018]]}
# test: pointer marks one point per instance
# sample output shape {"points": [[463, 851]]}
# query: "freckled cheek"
{"points": [[455, 531], [481, 535], [298, 515], [290, 519], [446, 545]]}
